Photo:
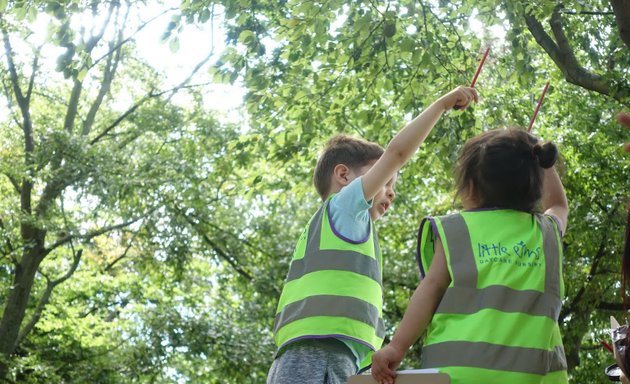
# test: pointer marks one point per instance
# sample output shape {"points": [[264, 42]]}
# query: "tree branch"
{"points": [[121, 118], [621, 8], [17, 90], [7, 94], [113, 59], [605, 306], [27, 123], [123, 255], [129, 38], [223, 230], [14, 183], [43, 301], [562, 54], [219, 251], [184, 83], [591, 274], [54, 188], [108, 75], [95, 38], [31, 81], [576, 73], [131, 110], [95, 233], [73, 103], [222, 254], [595, 13]]}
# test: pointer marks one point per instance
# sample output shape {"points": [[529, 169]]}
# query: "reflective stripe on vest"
{"points": [[330, 305], [459, 343], [332, 292], [493, 356], [336, 260]]}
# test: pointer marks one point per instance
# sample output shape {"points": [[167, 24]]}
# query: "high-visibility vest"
{"points": [[498, 319], [334, 288]]}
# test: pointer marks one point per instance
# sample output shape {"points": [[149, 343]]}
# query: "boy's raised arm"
{"points": [[409, 139]]}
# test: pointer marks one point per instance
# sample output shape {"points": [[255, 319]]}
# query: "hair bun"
{"points": [[546, 154]]}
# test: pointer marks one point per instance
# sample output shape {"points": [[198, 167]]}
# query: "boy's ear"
{"points": [[341, 174]]}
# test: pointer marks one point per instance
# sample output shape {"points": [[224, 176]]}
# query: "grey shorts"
{"points": [[313, 361]]}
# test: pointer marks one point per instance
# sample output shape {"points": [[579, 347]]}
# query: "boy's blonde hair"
{"points": [[342, 149]]}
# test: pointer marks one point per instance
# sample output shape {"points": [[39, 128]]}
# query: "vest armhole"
{"points": [[341, 236], [421, 242]]}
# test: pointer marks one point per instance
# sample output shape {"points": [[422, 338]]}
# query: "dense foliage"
{"points": [[144, 239]]}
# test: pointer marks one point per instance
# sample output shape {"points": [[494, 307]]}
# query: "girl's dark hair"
{"points": [[505, 168]]}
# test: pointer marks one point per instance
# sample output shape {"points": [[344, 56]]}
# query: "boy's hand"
{"points": [[459, 97], [384, 364]]}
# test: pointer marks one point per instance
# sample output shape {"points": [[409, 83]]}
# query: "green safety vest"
{"points": [[498, 319], [333, 289]]}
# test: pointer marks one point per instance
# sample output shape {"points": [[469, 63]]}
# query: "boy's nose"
{"points": [[391, 194]]}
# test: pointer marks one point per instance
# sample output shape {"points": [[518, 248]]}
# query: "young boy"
{"points": [[329, 317]]}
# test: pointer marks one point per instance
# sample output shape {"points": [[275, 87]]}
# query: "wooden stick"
{"points": [[540, 100], [483, 60], [606, 345], [474, 80]]}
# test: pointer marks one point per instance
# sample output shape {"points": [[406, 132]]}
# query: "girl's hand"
{"points": [[459, 97], [384, 364]]}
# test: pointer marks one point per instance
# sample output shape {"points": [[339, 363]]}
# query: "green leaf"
{"points": [[204, 16], [20, 13], [246, 37], [81, 74], [407, 44], [31, 14]]}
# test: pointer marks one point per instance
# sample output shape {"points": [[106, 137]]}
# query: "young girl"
{"points": [[491, 296]]}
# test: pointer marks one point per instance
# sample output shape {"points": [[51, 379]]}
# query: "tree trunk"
{"points": [[622, 16], [17, 302]]}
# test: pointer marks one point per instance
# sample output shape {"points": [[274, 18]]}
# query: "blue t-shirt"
{"points": [[350, 218], [349, 213]]}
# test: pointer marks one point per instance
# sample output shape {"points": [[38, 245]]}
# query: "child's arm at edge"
{"points": [[554, 200], [409, 139], [417, 317]]}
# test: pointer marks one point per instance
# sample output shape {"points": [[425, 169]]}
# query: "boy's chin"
{"points": [[375, 215]]}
